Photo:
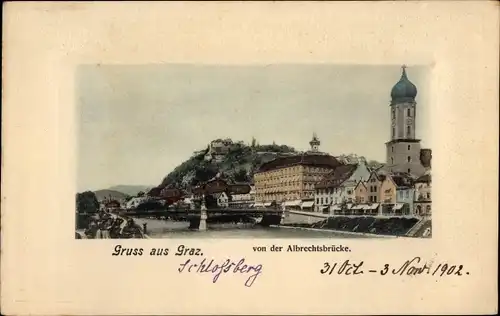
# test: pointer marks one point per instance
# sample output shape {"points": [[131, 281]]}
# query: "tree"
{"points": [[373, 164], [254, 142], [241, 175], [140, 194], [86, 202]]}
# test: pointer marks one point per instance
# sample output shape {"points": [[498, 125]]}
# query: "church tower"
{"points": [[403, 149], [315, 143]]}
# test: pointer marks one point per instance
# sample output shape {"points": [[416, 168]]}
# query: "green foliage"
{"points": [[86, 202], [373, 164]]}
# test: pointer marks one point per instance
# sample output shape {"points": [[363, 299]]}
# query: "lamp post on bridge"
{"points": [[203, 214]]}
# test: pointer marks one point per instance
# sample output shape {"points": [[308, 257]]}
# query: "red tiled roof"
{"points": [[337, 177], [297, 160]]}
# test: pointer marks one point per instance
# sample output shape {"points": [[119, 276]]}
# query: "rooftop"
{"points": [[337, 176], [308, 159]]}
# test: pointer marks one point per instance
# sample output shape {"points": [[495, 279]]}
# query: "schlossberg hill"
{"points": [[236, 161]]}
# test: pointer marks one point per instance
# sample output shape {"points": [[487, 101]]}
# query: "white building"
{"points": [[243, 200], [423, 201], [217, 149], [222, 200]]}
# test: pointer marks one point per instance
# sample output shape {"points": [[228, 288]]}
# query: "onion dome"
{"points": [[404, 90]]}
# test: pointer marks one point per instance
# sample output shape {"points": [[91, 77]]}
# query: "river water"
{"points": [[169, 229]]}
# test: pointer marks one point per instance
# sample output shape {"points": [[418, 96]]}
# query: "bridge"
{"points": [[253, 212], [200, 218]]}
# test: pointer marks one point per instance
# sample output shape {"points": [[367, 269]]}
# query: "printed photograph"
{"points": [[253, 151]]}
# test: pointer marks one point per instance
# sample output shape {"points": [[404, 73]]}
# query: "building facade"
{"points": [[403, 149], [218, 149], [373, 187], [423, 201], [243, 200], [361, 192], [291, 178], [339, 186]]}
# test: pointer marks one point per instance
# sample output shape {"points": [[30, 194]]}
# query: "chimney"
{"points": [[426, 157]]}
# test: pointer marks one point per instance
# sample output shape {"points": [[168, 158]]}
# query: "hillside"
{"points": [[110, 194], [131, 190], [238, 164]]}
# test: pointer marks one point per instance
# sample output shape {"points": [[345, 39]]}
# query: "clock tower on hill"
{"points": [[403, 149]]}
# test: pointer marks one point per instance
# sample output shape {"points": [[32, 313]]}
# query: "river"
{"points": [[170, 229]]}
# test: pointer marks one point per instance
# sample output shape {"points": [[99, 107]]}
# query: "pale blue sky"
{"points": [[138, 122]]}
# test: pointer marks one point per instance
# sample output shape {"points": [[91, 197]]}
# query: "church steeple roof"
{"points": [[404, 90]]}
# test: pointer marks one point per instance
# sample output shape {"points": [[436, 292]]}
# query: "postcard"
{"points": [[250, 158]]}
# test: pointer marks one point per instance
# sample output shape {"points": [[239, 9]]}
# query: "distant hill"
{"points": [[131, 190], [109, 194]]}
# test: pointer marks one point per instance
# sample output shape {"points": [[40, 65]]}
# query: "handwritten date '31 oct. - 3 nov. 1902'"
{"points": [[415, 266]]}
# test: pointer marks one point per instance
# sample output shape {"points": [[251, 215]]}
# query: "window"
{"points": [[392, 160], [409, 159], [429, 195], [409, 170], [409, 147], [408, 112], [392, 149], [408, 130], [393, 132], [393, 114], [349, 191], [407, 192]]}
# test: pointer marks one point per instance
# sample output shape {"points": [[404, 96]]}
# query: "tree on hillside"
{"points": [[241, 175], [86, 202], [254, 142], [373, 164], [140, 194]]}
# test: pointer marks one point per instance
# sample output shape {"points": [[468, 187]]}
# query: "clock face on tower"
{"points": [[409, 121]]}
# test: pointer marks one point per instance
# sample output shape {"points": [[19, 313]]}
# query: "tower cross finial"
{"points": [[403, 74]]}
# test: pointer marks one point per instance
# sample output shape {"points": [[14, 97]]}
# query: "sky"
{"points": [[136, 123]]}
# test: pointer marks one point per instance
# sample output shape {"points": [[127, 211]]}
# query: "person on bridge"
{"points": [[91, 230], [131, 230]]}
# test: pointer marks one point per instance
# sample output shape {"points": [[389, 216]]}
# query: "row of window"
{"points": [[408, 159], [408, 113], [392, 148], [290, 170], [408, 131]]}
